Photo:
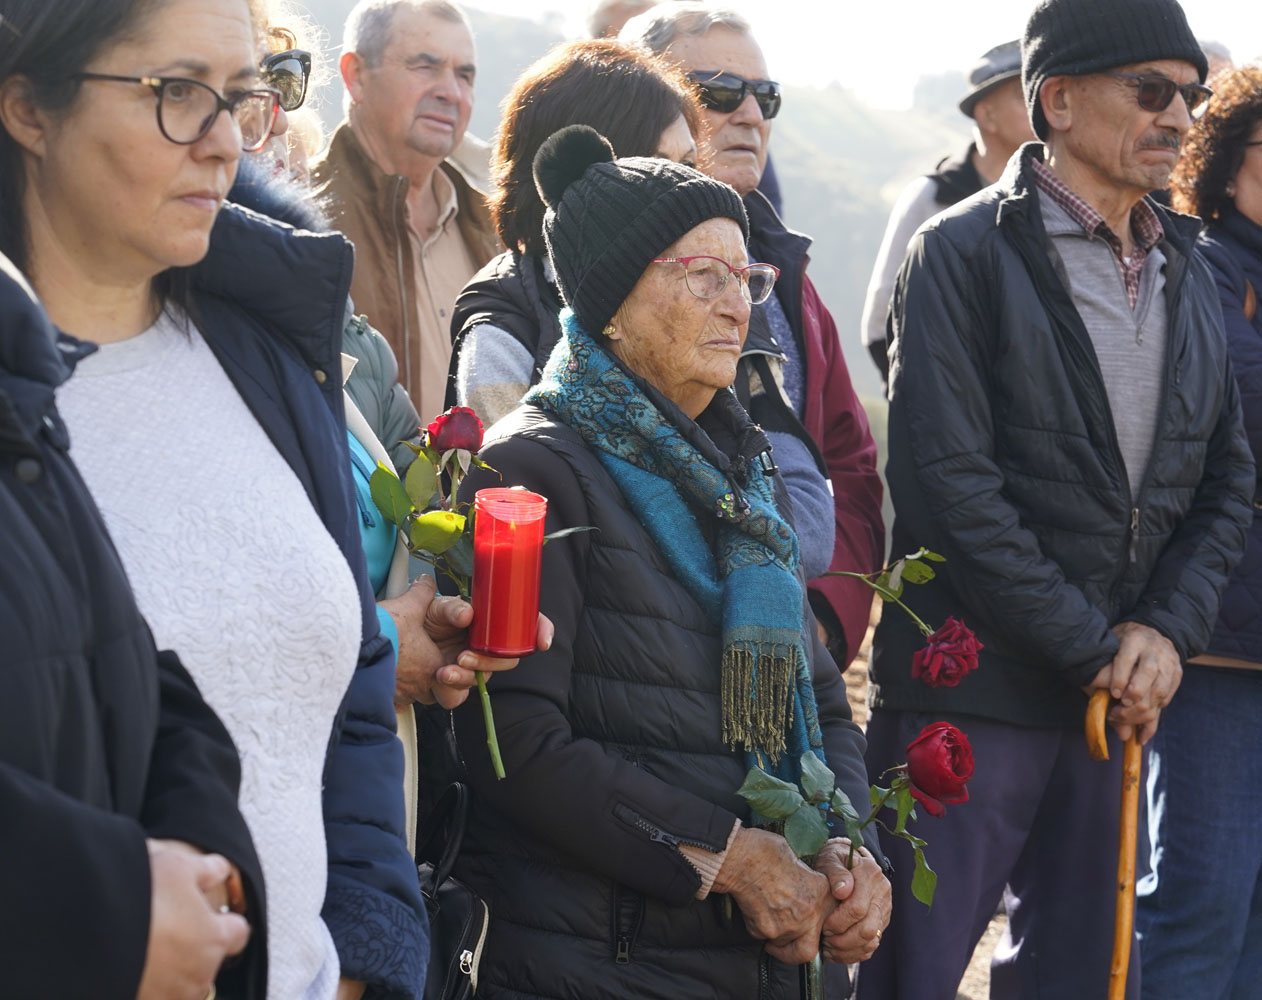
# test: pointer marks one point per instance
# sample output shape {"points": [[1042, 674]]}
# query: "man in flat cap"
{"points": [[1066, 430], [1000, 124]]}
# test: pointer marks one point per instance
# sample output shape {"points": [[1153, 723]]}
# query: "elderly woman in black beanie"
{"points": [[684, 649]]}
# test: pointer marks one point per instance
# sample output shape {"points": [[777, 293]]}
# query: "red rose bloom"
{"points": [[940, 762], [458, 428], [950, 653]]}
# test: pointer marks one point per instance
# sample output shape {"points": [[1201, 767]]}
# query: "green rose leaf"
{"points": [[459, 560], [924, 880], [421, 483], [905, 804], [888, 583], [389, 495], [817, 780], [875, 794], [805, 830], [436, 531], [934, 557], [769, 796], [915, 571], [841, 806]]}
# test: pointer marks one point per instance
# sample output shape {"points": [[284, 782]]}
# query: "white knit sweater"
{"points": [[235, 571]]}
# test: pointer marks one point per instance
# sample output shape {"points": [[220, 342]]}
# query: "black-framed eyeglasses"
{"points": [[1154, 93], [288, 73], [724, 92], [188, 109], [706, 277]]}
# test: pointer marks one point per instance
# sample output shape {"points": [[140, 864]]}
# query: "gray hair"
{"points": [[598, 18], [657, 28], [369, 23]]}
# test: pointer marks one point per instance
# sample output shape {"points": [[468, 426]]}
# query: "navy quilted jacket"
{"points": [[271, 304], [1233, 247]]}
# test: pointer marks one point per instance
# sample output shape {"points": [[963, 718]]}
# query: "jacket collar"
{"points": [[1243, 230], [1017, 197], [35, 358], [295, 283], [776, 243], [956, 178], [363, 182]]}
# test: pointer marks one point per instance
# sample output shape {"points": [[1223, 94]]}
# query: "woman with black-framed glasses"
{"points": [[209, 425]]}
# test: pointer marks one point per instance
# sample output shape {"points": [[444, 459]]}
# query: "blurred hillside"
{"points": [[840, 162]]}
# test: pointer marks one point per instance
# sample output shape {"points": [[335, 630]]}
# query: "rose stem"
{"points": [[492, 743]]}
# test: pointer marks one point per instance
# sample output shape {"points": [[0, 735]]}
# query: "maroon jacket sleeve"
{"points": [[835, 418]]}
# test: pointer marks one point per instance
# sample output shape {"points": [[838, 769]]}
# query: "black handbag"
{"points": [[458, 917]]}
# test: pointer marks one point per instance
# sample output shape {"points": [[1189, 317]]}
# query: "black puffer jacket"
{"points": [[1003, 457], [104, 741], [611, 743]]}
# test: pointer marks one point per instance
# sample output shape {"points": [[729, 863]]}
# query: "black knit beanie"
{"points": [[1079, 37], [607, 219]]}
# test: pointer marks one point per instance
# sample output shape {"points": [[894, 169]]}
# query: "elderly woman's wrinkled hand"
{"points": [[853, 931], [783, 901], [434, 663]]}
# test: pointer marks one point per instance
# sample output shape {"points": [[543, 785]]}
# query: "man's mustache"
{"points": [[1163, 140]]}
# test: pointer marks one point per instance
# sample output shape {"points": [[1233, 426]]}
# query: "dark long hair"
{"points": [[624, 93], [1215, 145], [47, 42]]}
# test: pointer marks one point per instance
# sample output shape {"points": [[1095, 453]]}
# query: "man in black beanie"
{"points": [[1066, 431]]}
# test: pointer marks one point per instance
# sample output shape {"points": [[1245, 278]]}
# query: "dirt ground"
{"points": [[976, 983]]}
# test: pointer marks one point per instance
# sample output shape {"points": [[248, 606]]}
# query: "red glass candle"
{"points": [[507, 552]]}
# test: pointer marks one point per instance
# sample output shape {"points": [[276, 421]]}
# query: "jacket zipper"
{"points": [[364, 502], [1091, 365], [1174, 373], [656, 834], [628, 911], [764, 976], [399, 182]]}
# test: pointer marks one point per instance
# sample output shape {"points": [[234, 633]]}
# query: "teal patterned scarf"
{"points": [[669, 471]]}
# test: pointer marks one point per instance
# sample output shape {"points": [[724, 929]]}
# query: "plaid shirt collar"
{"points": [[1146, 228]]}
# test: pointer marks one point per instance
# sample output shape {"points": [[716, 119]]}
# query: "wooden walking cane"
{"points": [[1124, 914]]}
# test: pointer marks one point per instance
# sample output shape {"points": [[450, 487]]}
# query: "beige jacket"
{"points": [[370, 207]]}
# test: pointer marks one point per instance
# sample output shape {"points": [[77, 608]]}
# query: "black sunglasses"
{"points": [[288, 72], [724, 92], [1154, 93]]}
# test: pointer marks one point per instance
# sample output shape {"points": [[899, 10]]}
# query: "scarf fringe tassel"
{"points": [[757, 692]]}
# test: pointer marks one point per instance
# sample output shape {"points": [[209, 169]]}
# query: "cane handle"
{"points": [[1097, 715]]}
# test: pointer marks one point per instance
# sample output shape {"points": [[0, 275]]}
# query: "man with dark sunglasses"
{"points": [[809, 375], [1064, 429]]}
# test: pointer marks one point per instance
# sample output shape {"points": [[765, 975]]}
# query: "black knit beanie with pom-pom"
{"points": [[607, 219]]}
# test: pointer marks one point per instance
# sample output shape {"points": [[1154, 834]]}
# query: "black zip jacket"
{"points": [[1004, 458], [611, 740]]}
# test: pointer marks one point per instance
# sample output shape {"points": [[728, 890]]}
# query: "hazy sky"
{"points": [[879, 47]]}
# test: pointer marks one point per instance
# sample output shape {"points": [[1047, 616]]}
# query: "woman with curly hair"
{"points": [[1201, 925]]}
